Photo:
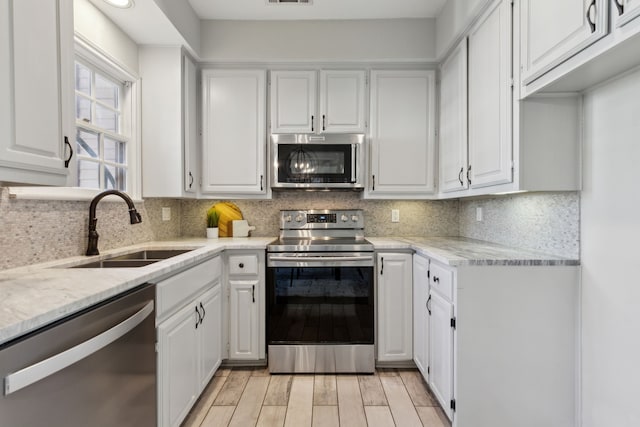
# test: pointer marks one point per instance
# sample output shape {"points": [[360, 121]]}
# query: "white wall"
{"points": [[455, 17], [318, 41], [184, 18], [610, 233], [91, 24]]}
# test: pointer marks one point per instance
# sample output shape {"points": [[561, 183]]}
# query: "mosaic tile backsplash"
{"points": [[36, 231]]}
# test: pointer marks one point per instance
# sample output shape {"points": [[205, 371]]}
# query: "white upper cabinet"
{"points": [[36, 91], [342, 101], [298, 105], [453, 120], [402, 134], [625, 11], [234, 132], [553, 31], [490, 98], [169, 130]]}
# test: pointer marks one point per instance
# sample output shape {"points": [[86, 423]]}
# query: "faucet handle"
{"points": [[135, 216]]}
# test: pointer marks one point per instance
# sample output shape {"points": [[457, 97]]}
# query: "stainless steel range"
{"points": [[320, 294]]}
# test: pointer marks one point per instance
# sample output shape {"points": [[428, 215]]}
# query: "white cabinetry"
{"points": [[189, 338], [246, 305], [490, 98], [625, 11], [453, 120], [490, 346], [295, 97], [36, 91], [553, 31], [395, 319], [234, 133], [421, 314], [402, 134], [169, 130], [441, 335]]}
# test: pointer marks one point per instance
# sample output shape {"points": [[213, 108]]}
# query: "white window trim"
{"points": [[98, 58]]}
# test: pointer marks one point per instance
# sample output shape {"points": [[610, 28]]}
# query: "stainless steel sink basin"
{"points": [[134, 259]]}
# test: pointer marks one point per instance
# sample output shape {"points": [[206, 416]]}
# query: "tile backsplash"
{"points": [[37, 230]]}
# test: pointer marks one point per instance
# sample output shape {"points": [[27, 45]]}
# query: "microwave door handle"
{"points": [[353, 163]]}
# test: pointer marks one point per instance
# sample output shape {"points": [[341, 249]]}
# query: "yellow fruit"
{"points": [[227, 212]]}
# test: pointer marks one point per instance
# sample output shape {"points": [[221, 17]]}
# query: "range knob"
{"points": [[344, 218], [355, 218], [287, 218], [299, 218]]}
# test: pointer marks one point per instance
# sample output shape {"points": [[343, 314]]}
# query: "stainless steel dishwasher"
{"points": [[95, 368]]}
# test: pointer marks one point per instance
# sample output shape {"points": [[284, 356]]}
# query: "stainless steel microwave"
{"points": [[302, 161]]}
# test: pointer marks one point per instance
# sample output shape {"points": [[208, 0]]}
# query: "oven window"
{"points": [[314, 163], [330, 305]]}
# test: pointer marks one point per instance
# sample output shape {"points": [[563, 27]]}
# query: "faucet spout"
{"points": [[92, 245]]}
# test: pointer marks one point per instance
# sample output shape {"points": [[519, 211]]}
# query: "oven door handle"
{"points": [[320, 258]]}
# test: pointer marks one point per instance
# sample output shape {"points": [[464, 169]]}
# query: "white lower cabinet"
{"points": [[246, 306], [421, 314], [395, 320], [189, 338], [501, 337]]}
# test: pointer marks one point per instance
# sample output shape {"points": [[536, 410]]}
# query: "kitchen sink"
{"points": [[134, 259]]}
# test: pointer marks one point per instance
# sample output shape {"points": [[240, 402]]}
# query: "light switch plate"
{"points": [[166, 214], [395, 215], [478, 214]]}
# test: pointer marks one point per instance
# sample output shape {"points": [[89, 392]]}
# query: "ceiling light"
{"points": [[122, 4]]}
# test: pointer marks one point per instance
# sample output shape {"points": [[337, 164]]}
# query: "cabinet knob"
{"points": [[241, 265], [436, 279]]}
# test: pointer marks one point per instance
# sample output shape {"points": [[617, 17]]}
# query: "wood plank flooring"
{"points": [[252, 397]]}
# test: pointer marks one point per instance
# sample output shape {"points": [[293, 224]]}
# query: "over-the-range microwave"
{"points": [[308, 162]]}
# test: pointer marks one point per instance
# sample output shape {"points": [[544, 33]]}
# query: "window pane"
{"points": [[114, 151], [83, 108], [88, 143], [106, 91], [83, 79], [88, 174], [106, 118], [115, 178]]}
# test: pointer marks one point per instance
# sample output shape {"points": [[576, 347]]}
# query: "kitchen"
{"points": [[596, 225]]}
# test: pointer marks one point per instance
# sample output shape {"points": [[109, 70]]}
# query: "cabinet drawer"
{"points": [[242, 265], [441, 279], [183, 286]]}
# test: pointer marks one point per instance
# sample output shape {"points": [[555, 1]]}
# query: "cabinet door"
{"points": [[234, 133], [177, 366], [421, 314], [402, 132], [490, 98], [342, 101], [293, 102], [553, 31], [210, 334], [190, 126], [453, 120], [36, 90], [395, 319], [244, 322], [441, 351], [625, 11]]}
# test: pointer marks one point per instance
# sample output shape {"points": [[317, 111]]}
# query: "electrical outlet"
{"points": [[395, 215], [166, 214], [478, 214]]}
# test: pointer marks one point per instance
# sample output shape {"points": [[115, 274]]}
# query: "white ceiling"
{"points": [[319, 9]]}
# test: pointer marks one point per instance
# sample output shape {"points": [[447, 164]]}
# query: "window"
{"points": [[101, 137]]}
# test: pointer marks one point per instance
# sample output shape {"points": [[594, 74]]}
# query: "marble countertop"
{"points": [[36, 295], [459, 251]]}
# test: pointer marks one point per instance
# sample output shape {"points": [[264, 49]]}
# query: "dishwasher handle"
{"points": [[320, 258], [36, 372]]}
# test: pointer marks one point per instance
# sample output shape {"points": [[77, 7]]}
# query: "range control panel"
{"points": [[310, 219]]}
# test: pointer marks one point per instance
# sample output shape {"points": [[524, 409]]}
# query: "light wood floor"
{"points": [[252, 397]]}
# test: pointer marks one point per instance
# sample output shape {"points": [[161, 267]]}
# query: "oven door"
{"points": [[320, 298]]}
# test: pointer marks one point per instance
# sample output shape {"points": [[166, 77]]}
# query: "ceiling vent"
{"points": [[289, 1]]}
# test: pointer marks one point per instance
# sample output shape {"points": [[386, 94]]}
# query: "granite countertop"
{"points": [[460, 251], [36, 295]]}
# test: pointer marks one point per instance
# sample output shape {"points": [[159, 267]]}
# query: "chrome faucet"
{"points": [[92, 247]]}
